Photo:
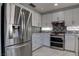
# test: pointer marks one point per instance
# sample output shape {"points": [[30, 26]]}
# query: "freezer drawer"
{"points": [[19, 50]]}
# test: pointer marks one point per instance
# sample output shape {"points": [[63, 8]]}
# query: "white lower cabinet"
{"points": [[36, 41], [77, 45], [70, 42], [45, 38], [40, 39]]}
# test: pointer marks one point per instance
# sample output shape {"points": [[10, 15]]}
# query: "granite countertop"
{"points": [[72, 32]]}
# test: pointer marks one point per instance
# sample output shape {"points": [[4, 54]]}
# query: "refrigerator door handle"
{"points": [[19, 15]]}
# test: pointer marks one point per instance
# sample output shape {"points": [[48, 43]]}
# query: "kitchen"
{"points": [[55, 29]]}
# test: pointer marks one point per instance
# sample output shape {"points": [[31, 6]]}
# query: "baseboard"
{"points": [[53, 48], [70, 51], [37, 48], [59, 49]]}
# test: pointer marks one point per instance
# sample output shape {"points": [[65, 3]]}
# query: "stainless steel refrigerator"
{"points": [[17, 30]]}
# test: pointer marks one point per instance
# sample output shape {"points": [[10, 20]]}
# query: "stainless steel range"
{"points": [[57, 37], [57, 41]]}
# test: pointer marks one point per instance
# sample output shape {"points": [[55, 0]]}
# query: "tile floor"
{"points": [[45, 51]]}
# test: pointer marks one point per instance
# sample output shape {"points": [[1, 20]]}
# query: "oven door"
{"points": [[57, 41], [19, 50]]}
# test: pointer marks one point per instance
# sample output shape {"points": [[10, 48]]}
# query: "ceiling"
{"points": [[47, 7]]}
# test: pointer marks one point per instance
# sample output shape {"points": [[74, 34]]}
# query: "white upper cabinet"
{"points": [[39, 20], [33, 22], [36, 19], [55, 17], [58, 16], [44, 20], [61, 15], [47, 20], [68, 17], [72, 17], [76, 16]]}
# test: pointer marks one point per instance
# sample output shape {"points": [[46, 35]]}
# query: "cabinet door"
{"points": [[58, 16], [44, 20], [39, 20], [36, 19], [70, 42], [45, 39], [61, 15], [36, 43], [68, 17], [55, 17], [49, 20], [76, 16], [33, 19]]}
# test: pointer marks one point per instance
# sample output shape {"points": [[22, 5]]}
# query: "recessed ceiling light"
{"points": [[56, 4]]}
